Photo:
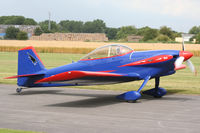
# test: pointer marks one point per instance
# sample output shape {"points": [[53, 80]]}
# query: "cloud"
{"points": [[176, 8], [187, 8]]}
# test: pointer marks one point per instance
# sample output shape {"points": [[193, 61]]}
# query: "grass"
{"points": [[183, 82], [15, 131], [49, 49]]}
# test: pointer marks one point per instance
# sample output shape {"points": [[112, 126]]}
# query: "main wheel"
{"points": [[18, 90]]}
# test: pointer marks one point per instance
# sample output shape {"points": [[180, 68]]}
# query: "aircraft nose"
{"points": [[187, 55]]}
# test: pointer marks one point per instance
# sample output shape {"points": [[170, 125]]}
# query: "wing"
{"points": [[71, 75]]}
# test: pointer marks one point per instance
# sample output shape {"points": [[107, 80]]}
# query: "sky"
{"points": [[180, 15]]}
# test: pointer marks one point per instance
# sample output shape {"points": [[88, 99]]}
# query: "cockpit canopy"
{"points": [[107, 51]]}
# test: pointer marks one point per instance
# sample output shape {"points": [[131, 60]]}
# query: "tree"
{"points": [[125, 31], [195, 30], [96, 26], [150, 34], [141, 31], [167, 31], [15, 20], [111, 33], [38, 31], [177, 34], [21, 35], [44, 26], [71, 26], [197, 37], [11, 33], [29, 21], [3, 19], [162, 38]]}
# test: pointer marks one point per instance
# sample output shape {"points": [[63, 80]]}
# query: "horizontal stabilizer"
{"points": [[26, 75]]}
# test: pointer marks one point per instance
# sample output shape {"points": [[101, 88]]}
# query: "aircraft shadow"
{"points": [[110, 100], [95, 100], [90, 102], [58, 92]]}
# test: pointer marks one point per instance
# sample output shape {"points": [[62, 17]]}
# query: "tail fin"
{"points": [[30, 67], [28, 61]]}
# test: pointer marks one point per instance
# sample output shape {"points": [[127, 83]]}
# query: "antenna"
{"points": [[49, 25]]}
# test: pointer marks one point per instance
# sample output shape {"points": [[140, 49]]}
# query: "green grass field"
{"points": [[15, 131], [183, 82]]}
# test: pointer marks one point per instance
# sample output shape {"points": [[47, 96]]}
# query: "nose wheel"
{"points": [[18, 90]]}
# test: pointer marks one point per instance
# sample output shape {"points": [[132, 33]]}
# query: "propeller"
{"points": [[191, 66], [184, 56], [179, 61], [183, 43]]}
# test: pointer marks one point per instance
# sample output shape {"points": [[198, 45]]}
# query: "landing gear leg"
{"points": [[157, 82], [132, 96], [18, 90], [156, 92]]}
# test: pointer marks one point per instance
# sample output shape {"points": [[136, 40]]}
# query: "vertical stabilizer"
{"points": [[29, 63]]}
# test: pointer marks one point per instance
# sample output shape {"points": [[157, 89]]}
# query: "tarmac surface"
{"points": [[67, 110]]}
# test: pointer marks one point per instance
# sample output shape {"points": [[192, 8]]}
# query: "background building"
{"points": [[27, 28]]}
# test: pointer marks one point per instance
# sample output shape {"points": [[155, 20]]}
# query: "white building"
{"points": [[186, 37]]}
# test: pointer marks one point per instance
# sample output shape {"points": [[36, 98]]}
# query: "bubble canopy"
{"points": [[107, 51]]}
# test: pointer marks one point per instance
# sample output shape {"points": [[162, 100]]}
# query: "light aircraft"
{"points": [[105, 65]]}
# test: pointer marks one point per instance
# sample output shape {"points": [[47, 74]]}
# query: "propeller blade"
{"points": [[183, 46], [183, 42], [191, 66], [179, 61]]}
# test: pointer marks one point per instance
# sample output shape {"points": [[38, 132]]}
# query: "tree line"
{"points": [[196, 31], [163, 34]]}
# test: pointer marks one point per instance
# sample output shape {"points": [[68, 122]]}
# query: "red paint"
{"points": [[26, 48], [17, 76], [106, 57], [180, 67], [33, 49], [187, 55], [74, 75], [155, 59]]}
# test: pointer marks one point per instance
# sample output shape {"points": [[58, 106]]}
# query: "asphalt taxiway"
{"points": [[61, 110]]}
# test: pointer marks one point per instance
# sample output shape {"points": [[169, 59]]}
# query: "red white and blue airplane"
{"points": [[105, 65]]}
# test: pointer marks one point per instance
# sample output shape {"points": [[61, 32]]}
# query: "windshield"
{"points": [[107, 51]]}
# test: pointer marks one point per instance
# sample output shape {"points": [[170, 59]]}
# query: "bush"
{"points": [[163, 38], [111, 33], [11, 33], [38, 31], [150, 34], [125, 31], [22, 35], [167, 31]]}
